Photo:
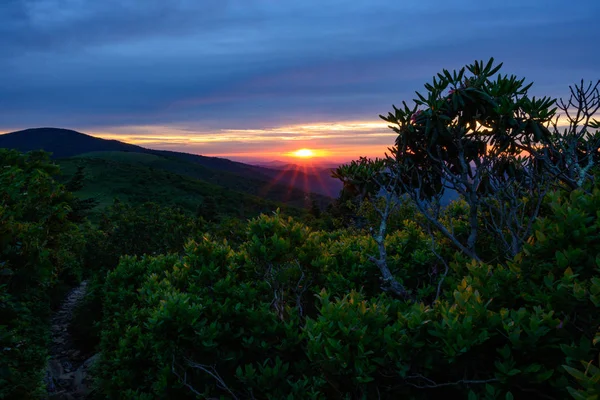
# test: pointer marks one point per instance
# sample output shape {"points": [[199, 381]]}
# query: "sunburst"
{"points": [[303, 153]]}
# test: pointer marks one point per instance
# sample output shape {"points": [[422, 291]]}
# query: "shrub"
{"points": [[124, 229], [40, 249]]}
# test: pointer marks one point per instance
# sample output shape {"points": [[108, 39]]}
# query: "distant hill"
{"points": [[263, 188], [108, 179], [315, 175], [307, 165], [275, 164], [63, 143], [310, 180]]}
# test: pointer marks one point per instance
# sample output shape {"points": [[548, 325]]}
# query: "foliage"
{"points": [[477, 133], [481, 136], [384, 294], [360, 178], [124, 229], [40, 249], [293, 314], [170, 181], [81, 208]]}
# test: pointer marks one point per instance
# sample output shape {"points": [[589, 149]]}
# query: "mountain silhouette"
{"points": [[65, 143], [61, 143]]}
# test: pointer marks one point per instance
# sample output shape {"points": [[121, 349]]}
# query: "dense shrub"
{"points": [[41, 249], [278, 317], [125, 229]]}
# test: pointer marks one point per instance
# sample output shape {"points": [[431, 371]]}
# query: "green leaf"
{"points": [[562, 260], [569, 272], [578, 395], [540, 236], [575, 373]]}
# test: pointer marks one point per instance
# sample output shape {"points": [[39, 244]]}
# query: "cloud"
{"points": [[258, 65]]}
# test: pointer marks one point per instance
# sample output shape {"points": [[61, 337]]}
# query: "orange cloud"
{"points": [[332, 140]]}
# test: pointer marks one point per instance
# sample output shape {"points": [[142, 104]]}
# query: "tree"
{"points": [[208, 209], [571, 154], [467, 139], [81, 207], [478, 133], [314, 210]]}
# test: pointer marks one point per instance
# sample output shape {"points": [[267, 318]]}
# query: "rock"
{"points": [[63, 395], [87, 363], [73, 354], [66, 376], [78, 377], [66, 381], [55, 369]]}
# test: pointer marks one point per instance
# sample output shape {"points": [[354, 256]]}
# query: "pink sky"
{"points": [[329, 141]]}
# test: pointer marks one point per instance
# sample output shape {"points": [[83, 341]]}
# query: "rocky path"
{"points": [[67, 368]]}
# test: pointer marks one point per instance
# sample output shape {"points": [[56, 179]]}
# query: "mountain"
{"points": [[268, 184], [307, 165], [252, 185], [275, 164], [309, 180], [118, 177], [61, 142], [64, 143]]}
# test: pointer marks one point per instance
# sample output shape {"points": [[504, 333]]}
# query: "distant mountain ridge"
{"points": [[62, 143], [65, 143]]}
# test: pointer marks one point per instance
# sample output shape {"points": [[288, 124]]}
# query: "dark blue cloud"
{"points": [[263, 63]]}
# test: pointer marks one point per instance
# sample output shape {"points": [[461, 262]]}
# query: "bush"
{"points": [[292, 313], [41, 249], [124, 229]]}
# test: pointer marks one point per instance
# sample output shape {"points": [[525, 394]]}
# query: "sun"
{"points": [[303, 153]]}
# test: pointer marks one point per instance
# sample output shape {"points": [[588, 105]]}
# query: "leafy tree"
{"points": [[571, 154], [81, 207], [314, 210], [208, 209], [466, 139], [479, 134]]}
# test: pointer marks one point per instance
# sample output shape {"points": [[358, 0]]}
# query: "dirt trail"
{"points": [[67, 368]]}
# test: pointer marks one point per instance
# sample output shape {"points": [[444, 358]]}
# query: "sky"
{"points": [[259, 79]]}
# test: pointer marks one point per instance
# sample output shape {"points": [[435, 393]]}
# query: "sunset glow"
{"points": [[330, 141], [303, 153], [245, 80]]}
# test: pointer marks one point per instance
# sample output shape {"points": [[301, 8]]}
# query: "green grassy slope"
{"points": [[107, 179], [257, 186]]}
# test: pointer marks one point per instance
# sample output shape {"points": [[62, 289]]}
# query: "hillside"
{"points": [[263, 188], [63, 143], [309, 180], [107, 179]]}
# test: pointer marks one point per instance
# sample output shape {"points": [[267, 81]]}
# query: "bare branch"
{"points": [[429, 384], [210, 370], [389, 281], [441, 259]]}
